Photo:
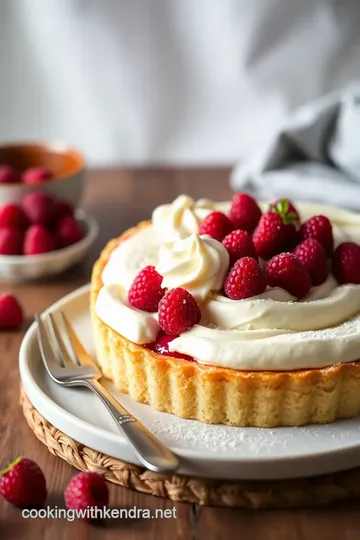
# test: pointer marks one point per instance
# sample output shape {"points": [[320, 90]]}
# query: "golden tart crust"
{"points": [[220, 395]]}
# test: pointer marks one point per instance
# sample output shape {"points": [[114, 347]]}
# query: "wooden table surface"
{"points": [[118, 199]]}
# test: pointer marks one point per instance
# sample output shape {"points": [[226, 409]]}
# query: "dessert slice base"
{"points": [[220, 395]]}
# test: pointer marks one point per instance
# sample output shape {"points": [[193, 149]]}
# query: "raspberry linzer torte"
{"points": [[237, 313]]}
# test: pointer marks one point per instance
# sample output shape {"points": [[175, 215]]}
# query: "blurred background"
{"points": [[168, 81]]}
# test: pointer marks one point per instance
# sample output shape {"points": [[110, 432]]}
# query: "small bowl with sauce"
{"points": [[54, 167]]}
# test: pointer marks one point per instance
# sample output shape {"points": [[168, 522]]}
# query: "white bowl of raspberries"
{"points": [[42, 236]]}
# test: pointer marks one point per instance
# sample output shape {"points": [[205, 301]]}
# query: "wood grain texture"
{"points": [[119, 199]]}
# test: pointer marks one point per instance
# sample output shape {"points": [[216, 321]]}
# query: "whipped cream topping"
{"points": [[271, 350], [180, 218], [196, 263], [130, 257], [114, 310], [327, 305], [271, 331]]}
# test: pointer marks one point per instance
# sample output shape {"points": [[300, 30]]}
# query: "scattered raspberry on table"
{"points": [[23, 483]]}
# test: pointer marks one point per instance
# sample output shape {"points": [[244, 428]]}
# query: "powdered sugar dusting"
{"points": [[192, 434], [206, 436], [245, 442]]}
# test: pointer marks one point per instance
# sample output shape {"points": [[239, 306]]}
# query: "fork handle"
{"points": [[152, 453]]}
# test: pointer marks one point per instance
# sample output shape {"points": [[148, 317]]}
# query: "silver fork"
{"points": [[62, 369]]}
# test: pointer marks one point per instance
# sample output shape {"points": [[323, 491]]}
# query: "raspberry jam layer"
{"points": [[161, 346]]}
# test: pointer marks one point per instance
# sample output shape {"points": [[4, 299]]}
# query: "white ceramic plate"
{"points": [[18, 268], [206, 450]]}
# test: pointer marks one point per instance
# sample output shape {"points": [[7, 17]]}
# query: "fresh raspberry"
{"points": [[11, 313], [245, 279], [275, 233], [39, 207], [346, 263], [161, 346], [11, 241], [36, 175], [13, 216], [313, 256], [68, 232], [23, 483], [62, 209], [8, 175], [38, 240], [178, 311], [318, 227], [239, 244], [244, 212], [287, 272], [289, 208], [216, 225], [86, 489], [145, 292]]}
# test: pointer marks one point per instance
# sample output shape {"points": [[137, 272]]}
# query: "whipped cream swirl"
{"points": [[180, 218], [196, 263]]}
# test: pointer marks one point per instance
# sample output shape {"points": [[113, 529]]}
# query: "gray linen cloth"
{"points": [[314, 156]]}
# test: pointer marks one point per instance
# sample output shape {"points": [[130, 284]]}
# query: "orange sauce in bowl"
{"points": [[61, 160]]}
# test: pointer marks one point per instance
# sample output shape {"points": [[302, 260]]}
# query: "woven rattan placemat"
{"points": [[244, 494]]}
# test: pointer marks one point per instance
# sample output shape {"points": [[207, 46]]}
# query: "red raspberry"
{"points": [[62, 209], [178, 311], [86, 489], [161, 346], [145, 292], [23, 483], [11, 313], [346, 263], [13, 216], [38, 240], [287, 272], [245, 279], [289, 208], [216, 225], [68, 232], [11, 241], [318, 227], [274, 234], [8, 175], [313, 256], [39, 207], [244, 212], [239, 244], [36, 175]]}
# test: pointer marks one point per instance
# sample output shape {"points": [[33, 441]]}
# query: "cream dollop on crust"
{"points": [[114, 310], [196, 263], [179, 219]]}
